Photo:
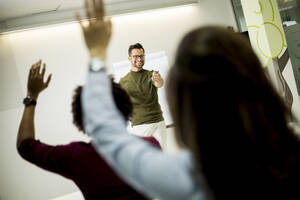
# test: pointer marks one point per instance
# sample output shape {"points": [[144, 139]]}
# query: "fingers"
{"points": [[31, 71], [30, 75], [43, 70], [156, 76], [100, 10], [48, 80], [42, 76], [35, 69], [95, 9], [87, 9]]}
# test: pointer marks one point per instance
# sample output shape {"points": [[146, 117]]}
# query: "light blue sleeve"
{"points": [[148, 169]]}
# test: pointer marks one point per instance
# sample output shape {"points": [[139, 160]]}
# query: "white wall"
{"points": [[62, 48]]}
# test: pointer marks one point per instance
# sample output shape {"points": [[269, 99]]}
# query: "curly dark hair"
{"points": [[121, 98]]}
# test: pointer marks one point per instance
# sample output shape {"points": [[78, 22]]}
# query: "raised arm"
{"points": [[145, 167], [35, 85]]}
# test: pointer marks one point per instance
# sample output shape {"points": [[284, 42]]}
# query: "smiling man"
{"points": [[142, 85]]}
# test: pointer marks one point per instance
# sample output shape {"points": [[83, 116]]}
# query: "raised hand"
{"points": [[98, 31], [36, 83]]}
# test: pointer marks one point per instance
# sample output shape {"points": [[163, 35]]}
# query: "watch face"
{"points": [[96, 64], [28, 101]]}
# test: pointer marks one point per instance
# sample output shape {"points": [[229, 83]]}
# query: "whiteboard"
{"points": [[157, 61]]}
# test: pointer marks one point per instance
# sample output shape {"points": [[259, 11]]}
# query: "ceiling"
{"points": [[21, 14], [10, 9], [18, 8]]}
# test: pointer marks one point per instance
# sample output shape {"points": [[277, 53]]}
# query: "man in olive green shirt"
{"points": [[142, 85]]}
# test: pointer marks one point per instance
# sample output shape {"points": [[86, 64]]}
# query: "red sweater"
{"points": [[79, 162]]}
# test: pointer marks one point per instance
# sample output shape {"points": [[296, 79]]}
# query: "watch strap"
{"points": [[28, 101]]}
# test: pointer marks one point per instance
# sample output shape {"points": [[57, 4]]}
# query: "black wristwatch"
{"points": [[28, 101]]}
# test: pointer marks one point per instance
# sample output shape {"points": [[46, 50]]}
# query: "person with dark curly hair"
{"points": [[77, 161], [121, 98]]}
